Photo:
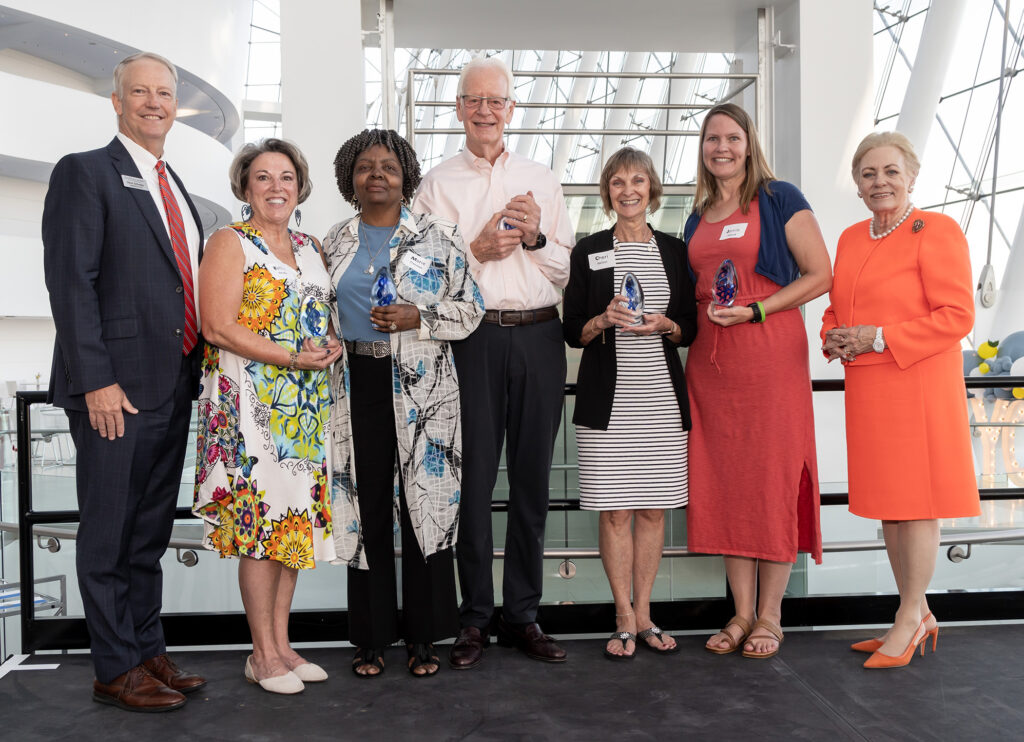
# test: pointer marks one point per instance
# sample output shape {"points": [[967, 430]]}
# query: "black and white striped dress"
{"points": [[640, 461]]}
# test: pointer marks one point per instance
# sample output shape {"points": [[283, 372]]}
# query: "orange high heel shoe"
{"points": [[872, 645], [879, 661]]}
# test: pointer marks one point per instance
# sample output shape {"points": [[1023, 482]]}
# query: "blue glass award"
{"points": [[314, 319], [634, 294], [382, 290], [726, 284]]}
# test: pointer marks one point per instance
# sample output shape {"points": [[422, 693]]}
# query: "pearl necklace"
{"points": [[890, 230]]}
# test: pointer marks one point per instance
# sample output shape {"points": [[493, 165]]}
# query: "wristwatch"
{"points": [[542, 241], [878, 344]]}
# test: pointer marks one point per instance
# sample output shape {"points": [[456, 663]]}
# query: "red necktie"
{"points": [[177, 230]]}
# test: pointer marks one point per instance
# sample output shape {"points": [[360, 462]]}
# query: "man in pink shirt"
{"points": [[512, 368]]}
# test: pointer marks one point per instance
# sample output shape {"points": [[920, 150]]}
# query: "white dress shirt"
{"points": [[468, 190], [146, 163]]}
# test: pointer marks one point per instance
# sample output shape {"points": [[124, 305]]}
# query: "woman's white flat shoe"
{"points": [[308, 672], [286, 684]]}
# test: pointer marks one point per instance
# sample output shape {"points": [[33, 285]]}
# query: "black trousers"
{"points": [[127, 492], [511, 382], [429, 607]]}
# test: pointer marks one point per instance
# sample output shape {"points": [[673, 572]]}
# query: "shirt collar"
{"points": [[481, 162], [142, 156]]}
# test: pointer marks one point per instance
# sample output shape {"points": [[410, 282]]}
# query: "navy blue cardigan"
{"points": [[587, 295], [774, 260]]}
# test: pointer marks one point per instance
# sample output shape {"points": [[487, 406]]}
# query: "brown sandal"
{"points": [[773, 629], [734, 644]]}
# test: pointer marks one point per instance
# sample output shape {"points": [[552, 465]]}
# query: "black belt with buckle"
{"points": [[372, 348], [514, 317]]}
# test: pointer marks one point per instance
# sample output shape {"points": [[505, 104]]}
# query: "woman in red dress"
{"points": [[753, 469]]}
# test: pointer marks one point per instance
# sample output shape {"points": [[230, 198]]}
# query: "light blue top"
{"points": [[354, 285]]}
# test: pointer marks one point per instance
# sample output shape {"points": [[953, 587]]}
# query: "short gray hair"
{"points": [[492, 63], [121, 68], [887, 139], [238, 173]]}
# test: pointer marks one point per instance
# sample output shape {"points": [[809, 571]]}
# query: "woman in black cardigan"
{"points": [[631, 412]]}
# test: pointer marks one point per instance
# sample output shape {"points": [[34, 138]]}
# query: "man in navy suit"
{"points": [[120, 253]]}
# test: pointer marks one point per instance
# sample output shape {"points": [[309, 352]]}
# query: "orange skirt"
{"points": [[908, 441]]}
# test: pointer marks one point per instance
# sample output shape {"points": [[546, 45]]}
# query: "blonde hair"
{"points": [[629, 158], [122, 68], [758, 173], [886, 139]]}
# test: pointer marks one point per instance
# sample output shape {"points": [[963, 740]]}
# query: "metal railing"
{"points": [[33, 526]]}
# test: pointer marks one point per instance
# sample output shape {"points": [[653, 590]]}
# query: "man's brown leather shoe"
{"points": [[530, 640], [137, 690], [163, 669], [468, 649]]}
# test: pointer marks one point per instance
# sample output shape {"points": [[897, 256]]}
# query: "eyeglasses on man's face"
{"points": [[473, 102]]}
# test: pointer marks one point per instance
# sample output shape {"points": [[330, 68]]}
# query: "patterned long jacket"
{"points": [[426, 399]]}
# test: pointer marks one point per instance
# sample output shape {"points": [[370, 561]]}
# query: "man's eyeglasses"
{"points": [[473, 102]]}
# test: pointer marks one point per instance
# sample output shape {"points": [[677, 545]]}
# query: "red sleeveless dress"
{"points": [[753, 466]]}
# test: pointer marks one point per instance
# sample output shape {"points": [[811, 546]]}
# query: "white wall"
{"points": [[323, 96]]}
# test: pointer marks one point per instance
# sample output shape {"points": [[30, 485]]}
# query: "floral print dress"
{"points": [[263, 460]]}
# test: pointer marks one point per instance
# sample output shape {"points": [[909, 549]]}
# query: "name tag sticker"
{"points": [[602, 260], [733, 231], [417, 263], [130, 181]]}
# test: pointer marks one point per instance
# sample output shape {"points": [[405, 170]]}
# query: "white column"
{"points": [[538, 94], [618, 118], [678, 91], [823, 97], [322, 96], [1008, 313], [581, 88], [935, 52]]}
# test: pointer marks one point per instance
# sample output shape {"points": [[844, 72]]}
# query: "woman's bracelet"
{"points": [[293, 359], [671, 331]]}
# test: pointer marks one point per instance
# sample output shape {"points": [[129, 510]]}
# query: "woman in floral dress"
{"points": [[264, 404]]}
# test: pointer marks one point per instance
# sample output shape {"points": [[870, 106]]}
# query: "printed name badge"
{"points": [[600, 260], [733, 231], [417, 262], [130, 181]]}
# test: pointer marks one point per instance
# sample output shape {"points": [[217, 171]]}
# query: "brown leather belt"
{"points": [[514, 317], [372, 348]]}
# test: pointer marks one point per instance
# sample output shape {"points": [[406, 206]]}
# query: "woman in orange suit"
{"points": [[901, 301]]}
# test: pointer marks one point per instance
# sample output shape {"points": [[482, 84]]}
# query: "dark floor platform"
{"points": [[814, 690]]}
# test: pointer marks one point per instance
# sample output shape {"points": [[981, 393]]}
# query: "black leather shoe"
{"points": [[468, 649], [530, 640]]}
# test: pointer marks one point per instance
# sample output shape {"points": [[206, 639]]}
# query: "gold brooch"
{"points": [[918, 225]]}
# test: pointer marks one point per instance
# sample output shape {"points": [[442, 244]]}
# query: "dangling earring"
{"points": [[910, 189], [246, 212], [298, 218]]}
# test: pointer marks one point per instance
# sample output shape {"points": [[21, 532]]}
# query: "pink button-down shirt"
{"points": [[468, 190]]}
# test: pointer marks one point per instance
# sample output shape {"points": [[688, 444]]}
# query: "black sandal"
{"points": [[622, 636], [657, 633], [421, 655], [368, 658]]}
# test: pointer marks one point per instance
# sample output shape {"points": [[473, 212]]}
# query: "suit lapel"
{"points": [[860, 260], [125, 165]]}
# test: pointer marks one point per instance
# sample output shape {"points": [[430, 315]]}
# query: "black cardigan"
{"points": [[587, 295]]}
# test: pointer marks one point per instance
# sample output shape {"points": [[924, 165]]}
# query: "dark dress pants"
{"points": [[511, 382], [429, 607], [127, 493]]}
